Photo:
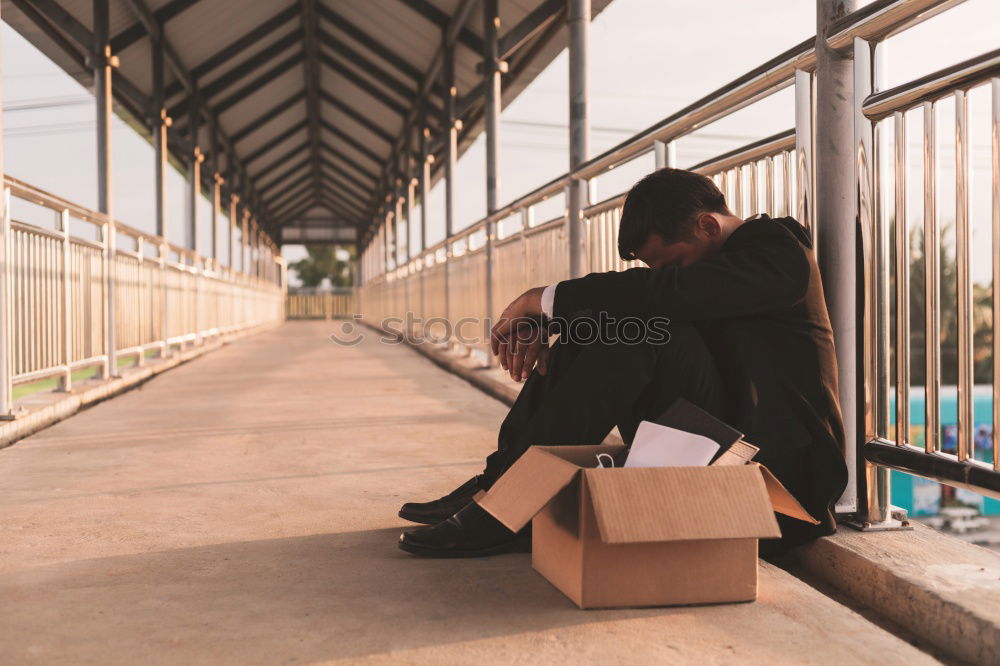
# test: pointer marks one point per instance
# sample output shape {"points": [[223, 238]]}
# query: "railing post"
{"points": [[6, 392], [665, 154], [493, 67], [578, 21], [452, 126], [103, 63], [805, 147], [6, 317], [66, 381], [836, 213]]}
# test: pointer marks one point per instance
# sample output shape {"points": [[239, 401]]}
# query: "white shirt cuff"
{"points": [[549, 299]]}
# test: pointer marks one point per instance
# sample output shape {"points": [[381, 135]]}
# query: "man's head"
{"points": [[674, 217]]}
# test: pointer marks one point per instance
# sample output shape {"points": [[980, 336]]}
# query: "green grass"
{"points": [[52, 383]]}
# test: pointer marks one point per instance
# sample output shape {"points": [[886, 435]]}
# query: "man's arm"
{"points": [[767, 272]]}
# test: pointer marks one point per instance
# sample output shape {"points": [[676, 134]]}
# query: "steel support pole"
{"points": [[6, 361], [194, 177], [66, 381], [492, 70], [425, 180], [213, 139], [102, 59], [245, 242], [452, 126], [160, 127], [837, 235], [578, 22]]}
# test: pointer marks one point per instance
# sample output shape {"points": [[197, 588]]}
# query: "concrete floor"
{"points": [[241, 509]]}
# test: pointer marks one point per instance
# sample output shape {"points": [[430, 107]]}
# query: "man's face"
{"points": [[706, 240]]}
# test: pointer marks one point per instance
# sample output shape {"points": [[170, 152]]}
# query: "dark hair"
{"points": [[666, 202]]}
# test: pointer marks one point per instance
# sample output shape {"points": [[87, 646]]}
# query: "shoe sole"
{"points": [[422, 520], [516, 546]]}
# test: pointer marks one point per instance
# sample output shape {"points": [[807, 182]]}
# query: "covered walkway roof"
{"points": [[299, 104]]}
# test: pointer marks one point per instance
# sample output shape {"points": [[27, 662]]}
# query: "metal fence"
{"points": [[80, 290], [447, 282], [321, 305]]}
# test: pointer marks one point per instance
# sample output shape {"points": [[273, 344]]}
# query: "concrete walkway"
{"points": [[241, 509]]}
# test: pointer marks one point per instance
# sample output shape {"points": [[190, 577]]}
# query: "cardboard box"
{"points": [[653, 536]]}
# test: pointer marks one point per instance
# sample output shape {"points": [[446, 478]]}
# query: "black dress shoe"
{"points": [[469, 533], [432, 513]]}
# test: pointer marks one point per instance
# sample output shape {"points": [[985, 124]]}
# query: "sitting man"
{"points": [[749, 341]]}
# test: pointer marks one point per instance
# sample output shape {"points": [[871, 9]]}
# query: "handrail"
{"points": [[972, 474], [883, 19], [55, 203], [933, 85], [774, 75], [766, 147]]}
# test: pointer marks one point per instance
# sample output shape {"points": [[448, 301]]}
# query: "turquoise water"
{"points": [[921, 497], [982, 400]]}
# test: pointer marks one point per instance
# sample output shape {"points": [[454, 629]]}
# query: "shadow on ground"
{"points": [[307, 598]]}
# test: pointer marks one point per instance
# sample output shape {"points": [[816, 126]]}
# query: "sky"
{"points": [[649, 58]]}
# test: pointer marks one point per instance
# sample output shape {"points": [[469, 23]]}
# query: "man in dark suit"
{"points": [[749, 341]]}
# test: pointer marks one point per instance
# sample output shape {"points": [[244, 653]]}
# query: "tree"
{"points": [[981, 315], [326, 261]]}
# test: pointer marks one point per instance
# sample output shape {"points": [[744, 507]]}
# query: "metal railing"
{"points": [[337, 304], [885, 123], [73, 302], [775, 175]]}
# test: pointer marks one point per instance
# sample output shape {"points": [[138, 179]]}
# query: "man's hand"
{"points": [[517, 338]]}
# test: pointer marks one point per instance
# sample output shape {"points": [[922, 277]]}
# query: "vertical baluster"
{"points": [[932, 288], [962, 251], [769, 186], [995, 171], [6, 313], [902, 287]]}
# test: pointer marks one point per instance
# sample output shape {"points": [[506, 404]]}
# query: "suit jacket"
{"points": [[759, 304]]}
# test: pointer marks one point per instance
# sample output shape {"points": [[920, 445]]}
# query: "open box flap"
{"points": [[648, 504], [527, 486], [782, 500]]}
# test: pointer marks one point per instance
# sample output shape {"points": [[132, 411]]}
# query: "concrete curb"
{"points": [[46, 408], [944, 590]]}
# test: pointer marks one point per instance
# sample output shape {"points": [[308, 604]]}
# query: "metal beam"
{"points": [[290, 193], [347, 187], [530, 25], [451, 33], [492, 69], [331, 189], [836, 220], [298, 182], [373, 45], [310, 45], [267, 117], [350, 140], [137, 31], [236, 47], [578, 21], [354, 115], [269, 145], [348, 161], [444, 21], [451, 141], [300, 149], [103, 63], [373, 91], [294, 169], [155, 31], [251, 64], [253, 86], [371, 68]]}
